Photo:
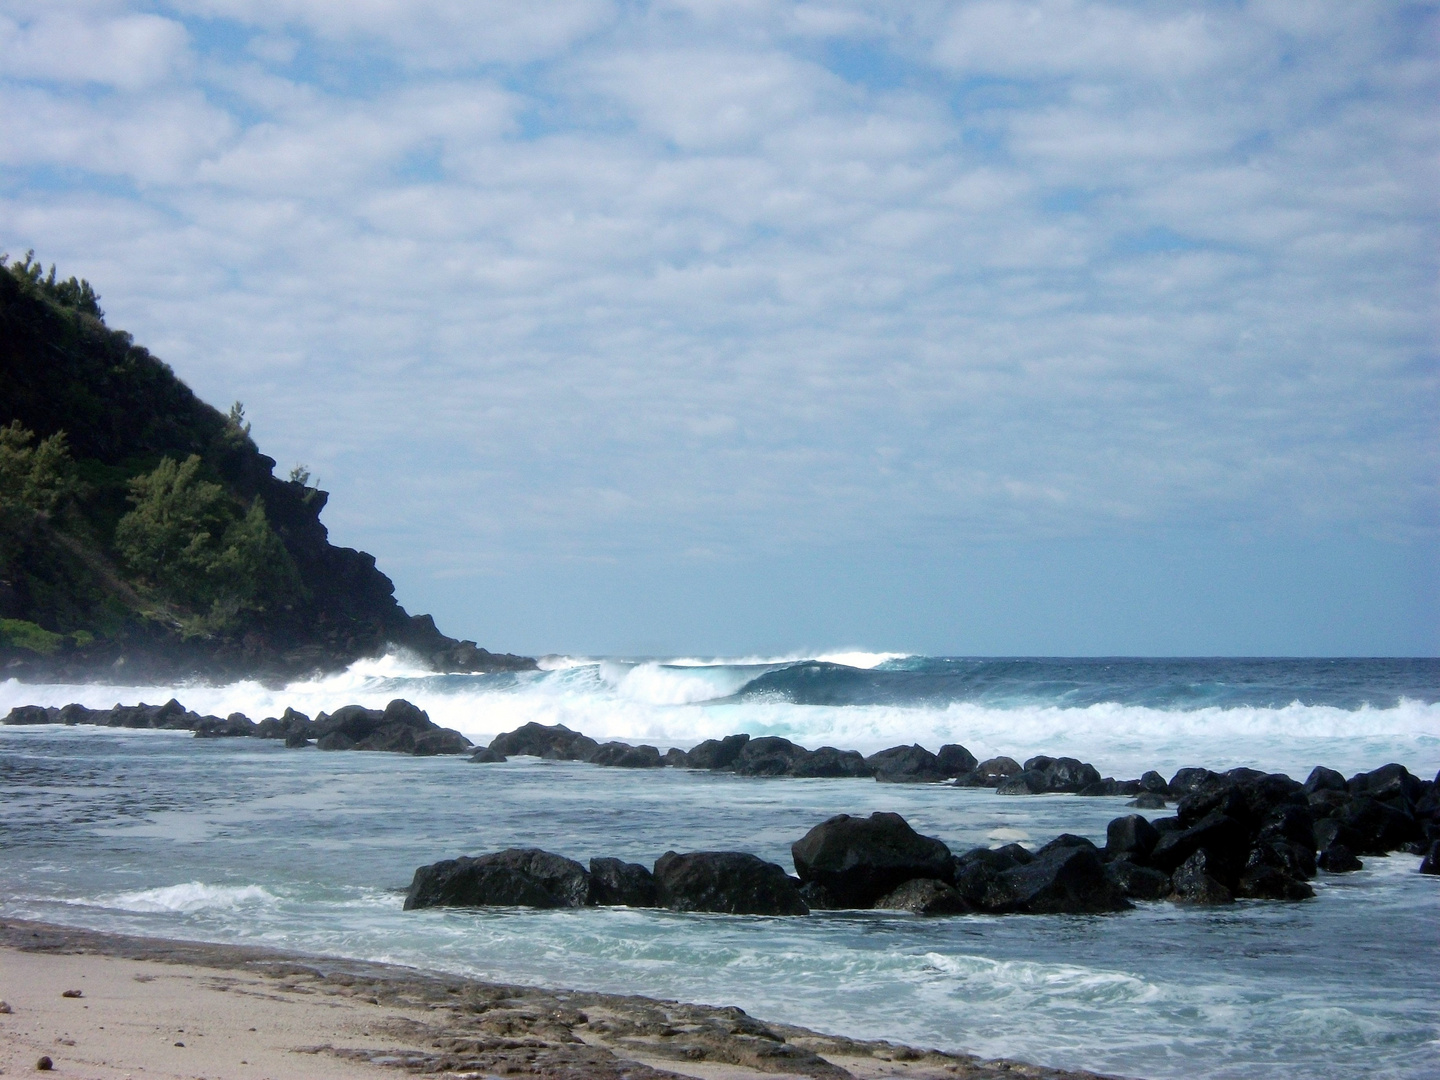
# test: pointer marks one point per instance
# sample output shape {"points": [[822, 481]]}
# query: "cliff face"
{"points": [[144, 536]]}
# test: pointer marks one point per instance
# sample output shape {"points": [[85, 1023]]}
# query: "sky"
{"points": [[727, 327]]}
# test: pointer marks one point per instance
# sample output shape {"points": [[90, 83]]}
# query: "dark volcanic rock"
{"points": [[1380, 826], [235, 726], [1194, 883], [1271, 883], [625, 756], [860, 859], [1338, 859], [486, 756], [399, 728], [1139, 882], [1065, 774], [1131, 837], [907, 765], [1148, 800], [1297, 860], [717, 753], [1187, 780], [522, 877], [613, 882], [555, 741], [955, 760], [731, 882], [1064, 880], [1223, 838], [925, 896], [819, 898], [830, 762], [31, 714], [1387, 783], [989, 773], [768, 756], [1430, 864], [1323, 779], [675, 758], [1028, 782], [1154, 783]]}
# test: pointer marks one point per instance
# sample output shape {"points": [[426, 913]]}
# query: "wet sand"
{"points": [[165, 1009]]}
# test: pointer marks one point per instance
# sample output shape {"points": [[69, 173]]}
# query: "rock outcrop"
{"points": [[858, 860], [728, 882]]}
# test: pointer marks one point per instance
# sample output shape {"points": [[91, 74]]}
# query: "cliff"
{"points": [[143, 536]]}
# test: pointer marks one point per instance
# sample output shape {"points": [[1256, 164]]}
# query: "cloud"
{"points": [[60, 44], [580, 282]]}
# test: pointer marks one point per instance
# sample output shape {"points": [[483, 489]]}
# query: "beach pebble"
{"points": [[72, 993], [5, 1009], [44, 1064]]}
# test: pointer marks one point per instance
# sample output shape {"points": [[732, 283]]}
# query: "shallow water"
{"points": [[238, 840]]}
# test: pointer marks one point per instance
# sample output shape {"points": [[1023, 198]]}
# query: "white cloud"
{"points": [[665, 280], [61, 44]]}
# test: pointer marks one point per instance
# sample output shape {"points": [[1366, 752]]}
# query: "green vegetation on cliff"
{"points": [[143, 532]]}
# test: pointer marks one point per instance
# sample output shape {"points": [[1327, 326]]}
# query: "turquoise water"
{"points": [[239, 840]]}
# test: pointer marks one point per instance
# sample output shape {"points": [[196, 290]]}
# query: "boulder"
{"points": [[554, 741], [717, 753], [991, 771], [1063, 880], [1028, 782], [1193, 882], [519, 877], [1338, 859], [1430, 864], [675, 758], [1131, 837], [1323, 779], [1289, 821], [1224, 839], [819, 898], [31, 714], [1380, 826], [768, 756], [1064, 774], [955, 760], [925, 896], [1154, 783], [1387, 783], [1271, 883], [400, 727], [624, 756], [1187, 780], [860, 859], [1148, 800], [617, 883], [907, 765], [1064, 840], [1296, 860], [1139, 882], [295, 740], [235, 726], [486, 756], [830, 762], [731, 882]]}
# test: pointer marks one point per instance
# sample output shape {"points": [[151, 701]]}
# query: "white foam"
{"points": [[982, 976], [190, 897]]}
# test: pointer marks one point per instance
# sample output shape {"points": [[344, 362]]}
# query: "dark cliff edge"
{"points": [[144, 537]]}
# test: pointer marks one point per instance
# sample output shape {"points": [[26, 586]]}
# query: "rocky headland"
{"points": [[145, 538]]}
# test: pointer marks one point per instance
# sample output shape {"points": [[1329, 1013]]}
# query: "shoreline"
{"points": [[186, 1009]]}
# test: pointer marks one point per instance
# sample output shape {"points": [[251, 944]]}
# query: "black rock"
{"points": [[1193, 883], [1430, 864], [1323, 779], [860, 859], [1187, 780], [1065, 774], [955, 760], [617, 883], [1064, 840], [1295, 860], [31, 714], [1154, 783], [1064, 880], [1387, 783], [993, 770], [768, 756], [624, 756], [295, 740], [520, 877], [731, 882], [399, 728], [675, 758], [1148, 800], [555, 741], [487, 756], [1224, 839], [1338, 859], [1139, 882], [1131, 837], [1289, 821], [1380, 826], [819, 898], [717, 753], [1271, 883], [907, 765], [1330, 832], [1027, 782], [236, 725], [1109, 786], [925, 896], [830, 762]]}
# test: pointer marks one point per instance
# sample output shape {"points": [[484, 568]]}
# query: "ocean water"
{"points": [[240, 840]]}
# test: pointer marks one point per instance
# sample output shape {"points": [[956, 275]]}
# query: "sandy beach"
{"points": [[105, 1007]]}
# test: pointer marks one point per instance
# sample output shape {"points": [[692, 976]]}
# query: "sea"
{"points": [[240, 840]]}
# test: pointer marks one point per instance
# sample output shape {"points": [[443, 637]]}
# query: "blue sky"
{"points": [[734, 327]]}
